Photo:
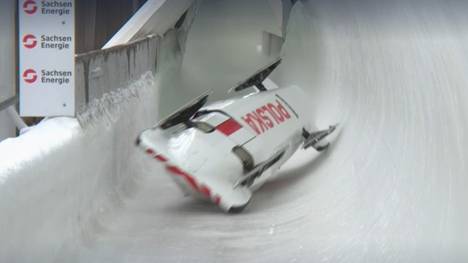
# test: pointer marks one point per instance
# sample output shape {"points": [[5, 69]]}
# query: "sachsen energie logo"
{"points": [[30, 76], [54, 77], [30, 7], [29, 41], [59, 8], [59, 43]]}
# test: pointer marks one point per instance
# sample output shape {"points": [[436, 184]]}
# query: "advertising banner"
{"points": [[46, 57]]}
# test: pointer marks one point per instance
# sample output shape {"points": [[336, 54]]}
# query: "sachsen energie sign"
{"points": [[47, 57]]}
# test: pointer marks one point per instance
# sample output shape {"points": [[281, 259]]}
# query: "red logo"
{"points": [[29, 41], [229, 127], [30, 76], [30, 7], [267, 117]]}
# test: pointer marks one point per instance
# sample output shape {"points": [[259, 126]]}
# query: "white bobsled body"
{"points": [[227, 149]]}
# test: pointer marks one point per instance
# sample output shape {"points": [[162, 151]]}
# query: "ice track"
{"points": [[393, 187]]}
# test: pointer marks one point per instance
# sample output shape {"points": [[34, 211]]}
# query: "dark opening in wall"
{"points": [[98, 20]]}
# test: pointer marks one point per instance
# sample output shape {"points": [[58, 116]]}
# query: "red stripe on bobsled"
{"points": [[161, 158], [229, 127], [217, 200], [203, 189], [190, 180]]}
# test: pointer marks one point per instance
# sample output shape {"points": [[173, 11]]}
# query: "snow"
{"points": [[392, 188], [58, 179]]}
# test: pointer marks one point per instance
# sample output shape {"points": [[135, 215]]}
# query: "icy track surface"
{"points": [[393, 188]]}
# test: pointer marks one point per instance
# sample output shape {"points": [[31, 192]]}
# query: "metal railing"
{"points": [[9, 102], [9, 106]]}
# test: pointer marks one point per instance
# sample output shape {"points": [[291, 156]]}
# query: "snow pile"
{"points": [[59, 178]]}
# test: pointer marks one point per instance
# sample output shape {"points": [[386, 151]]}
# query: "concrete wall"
{"points": [[7, 63], [224, 46], [100, 72], [103, 71]]}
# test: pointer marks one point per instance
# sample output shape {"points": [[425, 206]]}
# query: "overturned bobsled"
{"points": [[224, 150]]}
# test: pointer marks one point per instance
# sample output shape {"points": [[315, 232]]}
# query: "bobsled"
{"points": [[223, 151]]}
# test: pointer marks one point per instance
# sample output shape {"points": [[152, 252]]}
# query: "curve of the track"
{"points": [[393, 188]]}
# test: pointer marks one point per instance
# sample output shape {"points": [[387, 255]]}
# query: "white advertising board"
{"points": [[47, 57]]}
